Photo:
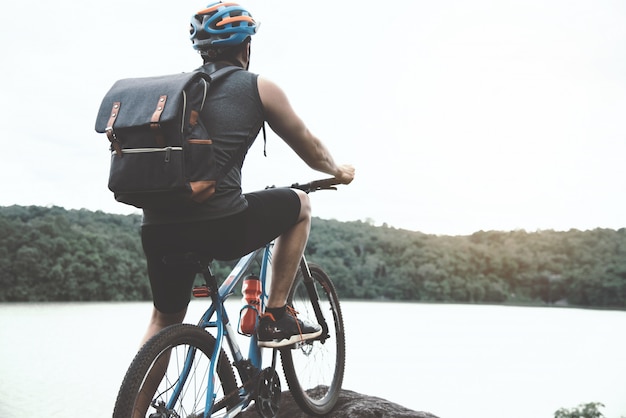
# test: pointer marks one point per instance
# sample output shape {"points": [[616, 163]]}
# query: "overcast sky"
{"points": [[458, 115]]}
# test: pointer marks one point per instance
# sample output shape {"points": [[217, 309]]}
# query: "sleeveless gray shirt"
{"points": [[233, 115]]}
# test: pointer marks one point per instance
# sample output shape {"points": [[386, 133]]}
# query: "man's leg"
{"points": [[160, 320], [287, 253], [279, 326]]}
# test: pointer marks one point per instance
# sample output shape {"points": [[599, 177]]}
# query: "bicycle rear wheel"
{"points": [[314, 369], [154, 374]]}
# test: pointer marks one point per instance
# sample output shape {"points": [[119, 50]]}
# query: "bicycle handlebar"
{"points": [[315, 185]]}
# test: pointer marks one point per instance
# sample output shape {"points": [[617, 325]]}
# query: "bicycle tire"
{"points": [[314, 370], [173, 343]]}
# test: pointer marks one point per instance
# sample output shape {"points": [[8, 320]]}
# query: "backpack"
{"points": [[161, 153]]}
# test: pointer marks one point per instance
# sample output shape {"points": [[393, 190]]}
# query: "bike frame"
{"points": [[224, 329], [216, 317]]}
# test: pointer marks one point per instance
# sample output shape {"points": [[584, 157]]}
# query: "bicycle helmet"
{"points": [[221, 25]]}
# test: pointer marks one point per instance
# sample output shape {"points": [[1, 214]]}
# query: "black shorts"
{"points": [[269, 214]]}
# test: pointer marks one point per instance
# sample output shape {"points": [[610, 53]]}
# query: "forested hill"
{"points": [[53, 254]]}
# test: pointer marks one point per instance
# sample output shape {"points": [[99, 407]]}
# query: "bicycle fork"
{"points": [[309, 284]]}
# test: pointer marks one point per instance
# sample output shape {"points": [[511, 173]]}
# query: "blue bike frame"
{"points": [[224, 329]]}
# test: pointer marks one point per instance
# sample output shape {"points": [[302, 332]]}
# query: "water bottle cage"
{"points": [[252, 306]]}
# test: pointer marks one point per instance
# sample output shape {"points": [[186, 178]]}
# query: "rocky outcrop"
{"points": [[349, 405]]}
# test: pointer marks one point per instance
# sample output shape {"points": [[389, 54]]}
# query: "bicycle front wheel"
{"points": [[314, 369], [153, 378]]}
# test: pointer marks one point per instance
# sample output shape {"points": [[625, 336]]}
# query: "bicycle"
{"points": [[176, 371]]}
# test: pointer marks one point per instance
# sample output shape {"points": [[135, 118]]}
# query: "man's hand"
{"points": [[345, 174]]}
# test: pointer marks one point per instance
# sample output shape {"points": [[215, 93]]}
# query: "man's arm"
{"points": [[287, 124]]}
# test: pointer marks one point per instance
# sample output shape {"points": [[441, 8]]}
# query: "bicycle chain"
{"points": [[223, 403]]}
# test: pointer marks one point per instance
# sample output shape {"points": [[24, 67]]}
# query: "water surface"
{"points": [[455, 361]]}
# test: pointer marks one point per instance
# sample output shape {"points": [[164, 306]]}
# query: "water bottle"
{"points": [[251, 289]]}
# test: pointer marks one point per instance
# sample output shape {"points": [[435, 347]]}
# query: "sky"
{"points": [[459, 116]]}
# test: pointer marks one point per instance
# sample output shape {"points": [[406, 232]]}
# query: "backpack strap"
{"points": [[216, 70], [224, 71]]}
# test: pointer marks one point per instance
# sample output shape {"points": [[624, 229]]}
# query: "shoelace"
{"points": [[291, 311], [268, 315], [288, 310]]}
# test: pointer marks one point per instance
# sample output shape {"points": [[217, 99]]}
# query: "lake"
{"points": [[455, 361]]}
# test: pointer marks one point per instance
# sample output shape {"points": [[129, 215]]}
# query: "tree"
{"points": [[588, 410], [49, 253]]}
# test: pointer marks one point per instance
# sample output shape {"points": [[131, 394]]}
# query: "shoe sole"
{"points": [[290, 341]]}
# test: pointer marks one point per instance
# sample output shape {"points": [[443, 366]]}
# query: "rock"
{"points": [[349, 405]]}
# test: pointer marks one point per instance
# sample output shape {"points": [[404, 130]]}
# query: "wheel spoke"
{"points": [[157, 369]]}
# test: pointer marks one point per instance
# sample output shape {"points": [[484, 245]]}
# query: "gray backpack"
{"points": [[161, 153]]}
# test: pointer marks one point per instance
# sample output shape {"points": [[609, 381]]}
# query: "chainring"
{"points": [[267, 400]]}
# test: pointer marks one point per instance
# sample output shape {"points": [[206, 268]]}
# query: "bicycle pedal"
{"points": [[201, 291]]}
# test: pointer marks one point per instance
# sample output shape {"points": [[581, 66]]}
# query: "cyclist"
{"points": [[231, 224]]}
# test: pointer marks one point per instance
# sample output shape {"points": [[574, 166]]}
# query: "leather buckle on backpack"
{"points": [[156, 117], [115, 144]]}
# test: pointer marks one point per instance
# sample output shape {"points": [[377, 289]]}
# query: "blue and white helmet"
{"points": [[221, 25]]}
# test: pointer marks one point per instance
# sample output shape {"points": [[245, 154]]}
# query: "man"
{"points": [[230, 224]]}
